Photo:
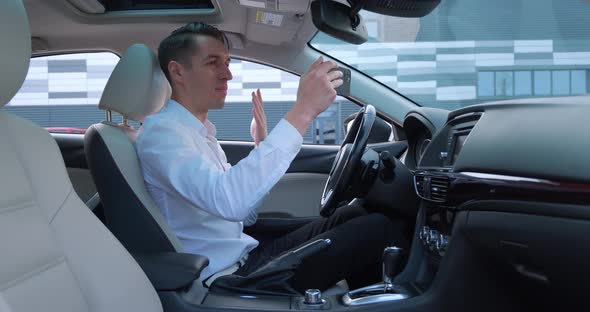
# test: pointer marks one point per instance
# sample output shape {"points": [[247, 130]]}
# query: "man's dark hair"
{"points": [[181, 44]]}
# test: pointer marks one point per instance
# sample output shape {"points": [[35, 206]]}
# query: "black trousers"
{"points": [[357, 239]]}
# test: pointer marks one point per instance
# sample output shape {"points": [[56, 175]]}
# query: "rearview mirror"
{"points": [[335, 19]]}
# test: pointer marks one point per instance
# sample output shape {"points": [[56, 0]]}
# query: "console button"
{"points": [[424, 233], [313, 296], [442, 244], [432, 238]]}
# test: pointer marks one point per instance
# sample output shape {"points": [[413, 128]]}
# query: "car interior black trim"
{"points": [[171, 270], [120, 202]]}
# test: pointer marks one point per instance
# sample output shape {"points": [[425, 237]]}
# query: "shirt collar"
{"points": [[187, 119]]}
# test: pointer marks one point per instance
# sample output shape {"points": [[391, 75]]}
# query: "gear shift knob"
{"points": [[392, 264]]}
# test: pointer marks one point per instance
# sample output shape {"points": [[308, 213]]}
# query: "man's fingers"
{"points": [[337, 83], [326, 66], [254, 106], [257, 104], [335, 74], [259, 119], [256, 109], [317, 62], [255, 99], [261, 113], [260, 99]]}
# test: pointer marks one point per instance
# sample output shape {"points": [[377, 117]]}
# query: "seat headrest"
{"points": [[137, 87], [15, 52]]}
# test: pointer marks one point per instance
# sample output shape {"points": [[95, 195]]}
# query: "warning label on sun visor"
{"points": [[269, 18]]}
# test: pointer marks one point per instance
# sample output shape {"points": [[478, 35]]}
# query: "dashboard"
{"points": [[522, 151]]}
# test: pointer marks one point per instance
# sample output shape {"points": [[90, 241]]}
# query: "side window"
{"points": [[279, 92], [61, 92]]}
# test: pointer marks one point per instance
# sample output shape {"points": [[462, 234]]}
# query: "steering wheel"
{"points": [[347, 161]]}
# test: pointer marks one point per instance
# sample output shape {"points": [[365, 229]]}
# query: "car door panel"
{"points": [[311, 158], [72, 151], [298, 193]]}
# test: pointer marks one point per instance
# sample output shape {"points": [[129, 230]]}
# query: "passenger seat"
{"points": [[56, 255]]}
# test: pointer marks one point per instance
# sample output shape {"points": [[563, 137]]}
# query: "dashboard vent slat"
{"points": [[420, 185], [438, 188], [432, 187]]}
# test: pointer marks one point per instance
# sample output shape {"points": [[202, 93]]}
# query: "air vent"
{"points": [[419, 180], [431, 187], [438, 188]]}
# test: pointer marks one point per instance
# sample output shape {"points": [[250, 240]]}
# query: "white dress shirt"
{"points": [[202, 197]]}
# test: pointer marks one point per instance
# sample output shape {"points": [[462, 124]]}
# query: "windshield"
{"points": [[471, 51]]}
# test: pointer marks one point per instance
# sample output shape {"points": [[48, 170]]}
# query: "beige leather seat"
{"points": [[136, 88], [56, 255]]}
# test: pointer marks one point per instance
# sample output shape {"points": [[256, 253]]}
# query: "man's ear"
{"points": [[176, 72]]}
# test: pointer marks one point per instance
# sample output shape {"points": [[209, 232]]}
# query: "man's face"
{"points": [[206, 79]]}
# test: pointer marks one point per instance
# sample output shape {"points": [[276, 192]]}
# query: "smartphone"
{"points": [[344, 89]]}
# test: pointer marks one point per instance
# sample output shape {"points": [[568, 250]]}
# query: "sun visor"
{"points": [[291, 6], [88, 6], [174, 11]]}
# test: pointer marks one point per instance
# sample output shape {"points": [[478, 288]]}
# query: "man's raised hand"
{"points": [[258, 128], [315, 94]]}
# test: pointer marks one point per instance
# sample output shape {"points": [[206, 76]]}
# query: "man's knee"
{"points": [[383, 226], [349, 212], [378, 220]]}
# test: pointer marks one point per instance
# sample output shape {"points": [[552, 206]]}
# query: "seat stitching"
{"points": [[61, 206], [29, 176], [25, 169], [18, 206], [32, 273], [66, 261]]}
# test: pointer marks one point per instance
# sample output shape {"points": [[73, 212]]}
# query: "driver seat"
{"points": [[57, 256], [136, 88]]}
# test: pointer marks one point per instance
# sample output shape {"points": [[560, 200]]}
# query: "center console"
{"points": [[332, 299], [435, 182]]}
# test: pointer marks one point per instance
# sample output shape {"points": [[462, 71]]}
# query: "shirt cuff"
{"points": [[285, 137]]}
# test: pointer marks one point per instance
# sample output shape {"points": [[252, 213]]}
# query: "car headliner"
{"points": [[63, 27], [59, 26]]}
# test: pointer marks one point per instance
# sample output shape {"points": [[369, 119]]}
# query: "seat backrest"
{"points": [[137, 87], [56, 255]]}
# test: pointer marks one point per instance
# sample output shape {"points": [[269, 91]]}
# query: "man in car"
{"points": [[206, 201]]}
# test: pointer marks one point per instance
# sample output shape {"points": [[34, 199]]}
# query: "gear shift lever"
{"points": [[392, 265], [393, 260]]}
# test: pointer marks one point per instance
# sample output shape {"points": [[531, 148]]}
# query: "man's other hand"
{"points": [[317, 90], [258, 128]]}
